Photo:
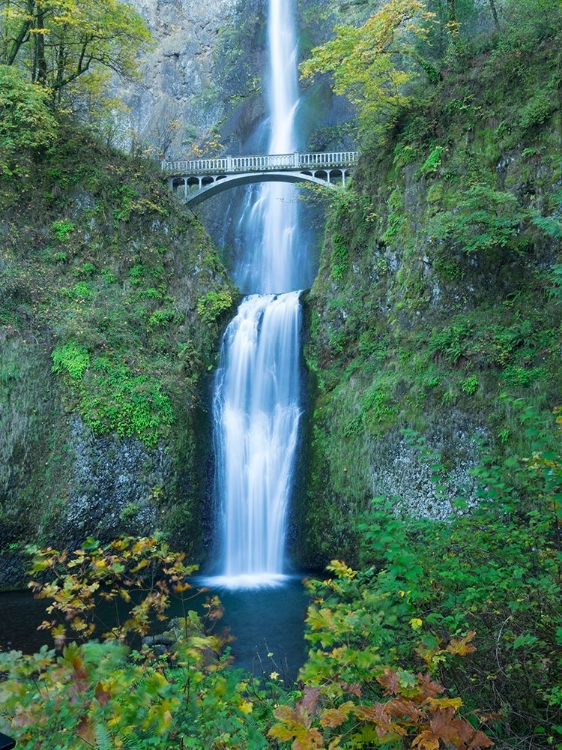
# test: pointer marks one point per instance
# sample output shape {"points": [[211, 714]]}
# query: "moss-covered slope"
{"points": [[435, 318], [110, 303]]}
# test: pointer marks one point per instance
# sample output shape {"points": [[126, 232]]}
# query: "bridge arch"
{"points": [[194, 190]]}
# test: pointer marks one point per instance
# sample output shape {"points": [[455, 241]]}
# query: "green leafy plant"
{"points": [[483, 220], [353, 696], [26, 122], [212, 305], [339, 258], [62, 228], [71, 360], [433, 161]]}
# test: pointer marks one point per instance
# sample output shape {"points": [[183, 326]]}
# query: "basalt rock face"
{"points": [[175, 103]]}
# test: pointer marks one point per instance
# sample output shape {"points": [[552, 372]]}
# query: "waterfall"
{"points": [[256, 408]]}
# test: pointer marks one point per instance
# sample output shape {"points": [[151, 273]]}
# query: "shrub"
{"points": [[213, 304]]}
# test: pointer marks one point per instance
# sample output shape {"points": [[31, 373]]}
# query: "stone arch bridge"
{"points": [[196, 180]]}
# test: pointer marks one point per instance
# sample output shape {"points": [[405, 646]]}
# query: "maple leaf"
{"points": [[309, 700], [443, 725], [389, 680], [312, 739], [287, 714], [479, 740], [404, 707], [455, 703], [460, 647], [428, 687], [334, 717], [426, 741]]}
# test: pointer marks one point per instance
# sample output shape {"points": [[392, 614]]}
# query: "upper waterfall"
{"points": [[272, 259]]}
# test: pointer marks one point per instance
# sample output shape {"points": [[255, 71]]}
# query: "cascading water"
{"points": [[257, 390]]}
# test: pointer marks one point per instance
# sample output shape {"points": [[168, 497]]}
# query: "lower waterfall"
{"points": [[256, 414]]}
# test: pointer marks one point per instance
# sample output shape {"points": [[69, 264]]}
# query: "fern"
{"points": [[103, 738]]}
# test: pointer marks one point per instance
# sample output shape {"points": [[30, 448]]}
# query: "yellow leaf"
{"points": [[246, 707], [455, 703]]}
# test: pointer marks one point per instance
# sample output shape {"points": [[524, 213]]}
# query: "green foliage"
{"points": [[104, 694], [26, 123], [433, 161], [470, 385], [482, 221], [356, 692], [537, 111], [61, 41], [71, 360], [365, 61], [551, 224], [125, 403], [160, 318], [112, 398], [340, 257], [495, 569], [213, 304], [62, 228]]}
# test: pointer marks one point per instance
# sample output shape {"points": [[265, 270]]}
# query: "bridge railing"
{"points": [[233, 164]]}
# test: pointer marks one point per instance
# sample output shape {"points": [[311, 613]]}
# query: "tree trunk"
{"points": [[495, 14], [40, 62], [22, 36]]}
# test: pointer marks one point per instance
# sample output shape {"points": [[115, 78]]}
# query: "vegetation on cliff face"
{"points": [[106, 308], [434, 348], [437, 304]]}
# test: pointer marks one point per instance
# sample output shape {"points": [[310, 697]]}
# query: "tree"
{"points": [[25, 120], [58, 41], [367, 62]]}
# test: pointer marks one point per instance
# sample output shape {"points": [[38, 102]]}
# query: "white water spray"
{"points": [[257, 393]]}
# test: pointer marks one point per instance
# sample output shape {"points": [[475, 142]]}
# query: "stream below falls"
{"points": [[263, 621]]}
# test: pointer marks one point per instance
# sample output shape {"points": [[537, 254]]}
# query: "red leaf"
{"points": [[390, 681], [102, 695], [309, 701]]}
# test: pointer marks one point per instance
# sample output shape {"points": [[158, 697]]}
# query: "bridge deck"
{"points": [[263, 163]]}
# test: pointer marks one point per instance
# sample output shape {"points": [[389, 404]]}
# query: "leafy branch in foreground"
{"points": [[141, 573], [103, 694], [354, 697]]}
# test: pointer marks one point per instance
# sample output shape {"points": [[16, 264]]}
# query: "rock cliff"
{"points": [[176, 102]]}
